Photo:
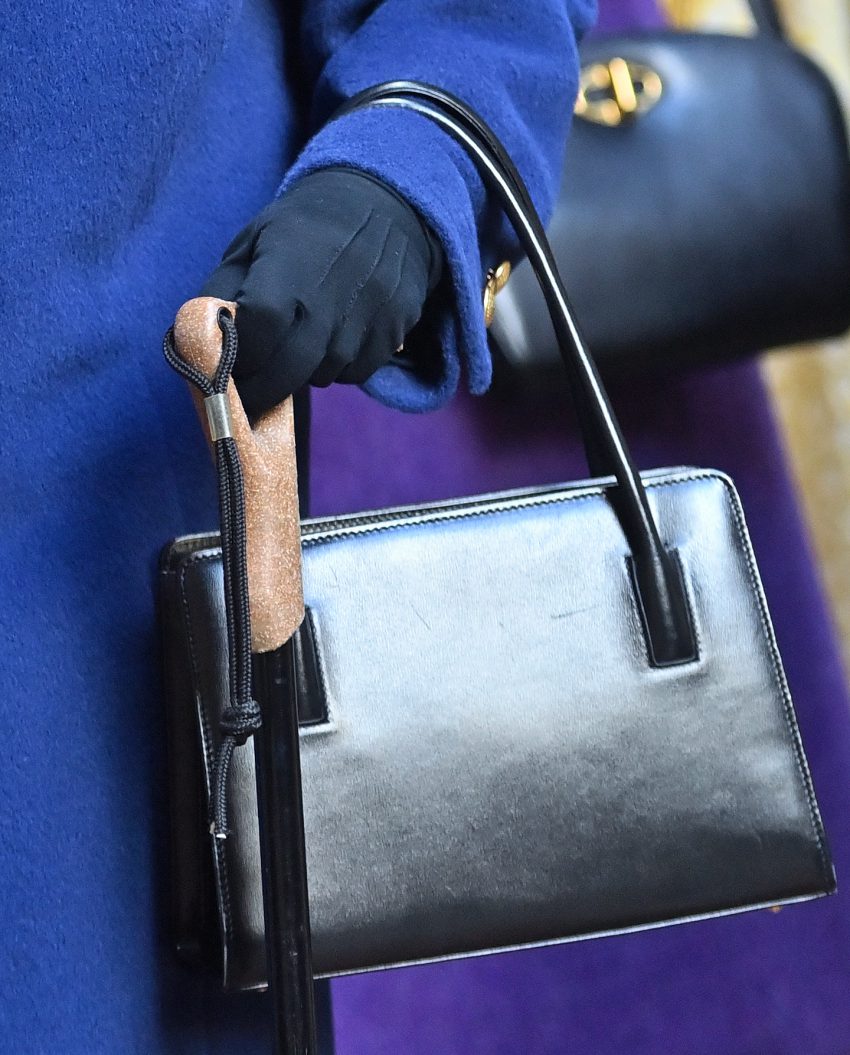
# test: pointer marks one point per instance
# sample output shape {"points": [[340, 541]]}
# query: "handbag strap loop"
{"points": [[658, 581]]}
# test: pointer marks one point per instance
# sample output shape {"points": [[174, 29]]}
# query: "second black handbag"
{"points": [[704, 209]]}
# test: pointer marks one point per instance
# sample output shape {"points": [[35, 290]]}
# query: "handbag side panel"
{"points": [[194, 917]]}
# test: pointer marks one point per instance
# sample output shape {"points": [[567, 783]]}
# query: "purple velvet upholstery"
{"points": [[761, 984]]}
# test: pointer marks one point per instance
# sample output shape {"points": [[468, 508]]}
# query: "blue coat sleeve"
{"points": [[516, 64]]}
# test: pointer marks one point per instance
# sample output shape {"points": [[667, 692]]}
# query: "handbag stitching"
{"points": [[779, 675], [449, 514], [371, 527], [453, 513]]}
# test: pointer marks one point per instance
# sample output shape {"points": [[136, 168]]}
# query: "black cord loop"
{"points": [[241, 719]]}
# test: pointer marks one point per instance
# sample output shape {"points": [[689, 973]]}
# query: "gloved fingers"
{"points": [[280, 341], [271, 310], [288, 366], [328, 280], [389, 325], [383, 340], [280, 345], [349, 347]]}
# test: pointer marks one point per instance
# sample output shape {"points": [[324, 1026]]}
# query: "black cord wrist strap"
{"points": [[241, 718]]}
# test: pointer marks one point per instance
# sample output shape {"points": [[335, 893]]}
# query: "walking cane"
{"points": [[261, 556]]}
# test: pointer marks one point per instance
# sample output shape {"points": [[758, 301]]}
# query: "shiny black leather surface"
{"points": [[670, 637], [501, 766], [716, 225]]}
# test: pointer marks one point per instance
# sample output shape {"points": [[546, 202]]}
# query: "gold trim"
{"points": [[496, 279], [611, 93]]}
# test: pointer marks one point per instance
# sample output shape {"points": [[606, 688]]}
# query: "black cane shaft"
{"points": [[283, 855]]}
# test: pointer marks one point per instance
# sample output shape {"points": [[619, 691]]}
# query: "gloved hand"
{"points": [[329, 279]]}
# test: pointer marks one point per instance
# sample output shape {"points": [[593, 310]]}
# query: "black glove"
{"points": [[329, 280]]}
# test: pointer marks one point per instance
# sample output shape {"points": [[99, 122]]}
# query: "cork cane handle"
{"points": [[267, 453]]}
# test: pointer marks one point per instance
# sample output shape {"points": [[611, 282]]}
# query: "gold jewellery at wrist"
{"points": [[496, 279]]}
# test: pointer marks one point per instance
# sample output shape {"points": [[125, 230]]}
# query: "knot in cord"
{"points": [[241, 722], [241, 718]]}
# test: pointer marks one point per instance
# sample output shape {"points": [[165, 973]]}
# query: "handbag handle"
{"points": [[766, 18], [657, 577]]}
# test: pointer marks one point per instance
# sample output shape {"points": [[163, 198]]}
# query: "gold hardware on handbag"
{"points": [[616, 91]]}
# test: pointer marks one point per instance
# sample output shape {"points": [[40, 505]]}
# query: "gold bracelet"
{"points": [[496, 279]]}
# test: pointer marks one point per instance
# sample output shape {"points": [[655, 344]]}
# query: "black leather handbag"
{"points": [[527, 717], [704, 211]]}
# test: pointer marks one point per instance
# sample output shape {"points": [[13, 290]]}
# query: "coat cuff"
{"points": [[426, 167]]}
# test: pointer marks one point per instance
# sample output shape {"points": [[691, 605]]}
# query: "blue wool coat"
{"points": [[137, 139]]}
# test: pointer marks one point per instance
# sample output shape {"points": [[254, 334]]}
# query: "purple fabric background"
{"points": [[761, 984]]}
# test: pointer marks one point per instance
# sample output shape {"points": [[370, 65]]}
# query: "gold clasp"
{"points": [[616, 91], [496, 279]]}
